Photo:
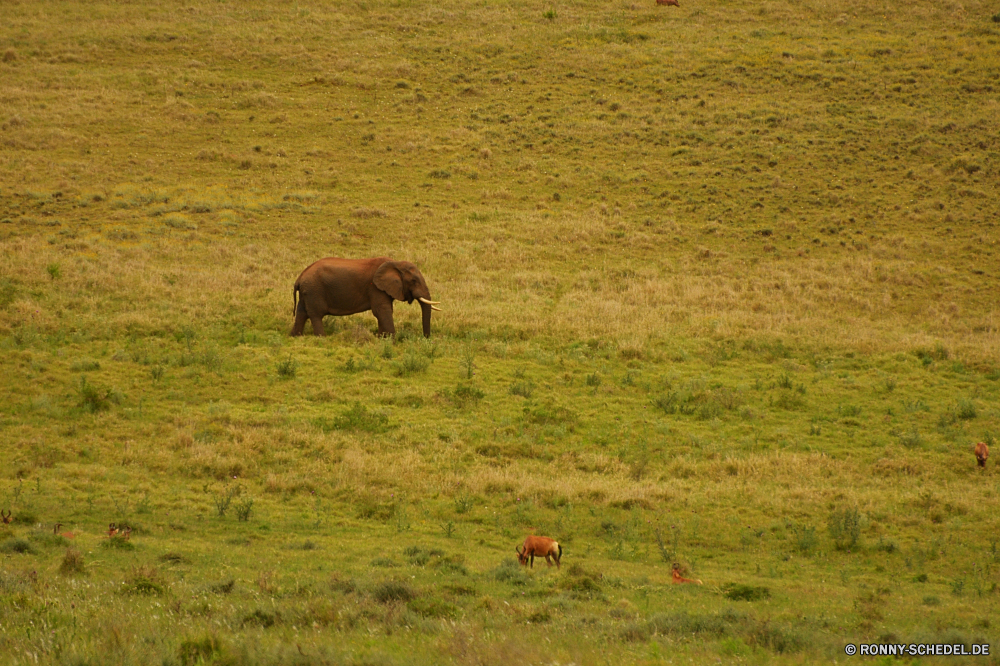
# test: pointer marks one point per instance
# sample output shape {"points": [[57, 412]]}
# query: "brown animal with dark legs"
{"points": [[342, 287], [536, 546], [678, 578], [67, 535], [982, 453]]}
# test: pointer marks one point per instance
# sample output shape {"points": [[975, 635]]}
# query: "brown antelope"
{"points": [[541, 547], [67, 535], [678, 578], [112, 529], [672, 3], [6, 518], [982, 453]]}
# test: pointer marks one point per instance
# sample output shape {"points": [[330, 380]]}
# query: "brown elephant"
{"points": [[339, 287]]}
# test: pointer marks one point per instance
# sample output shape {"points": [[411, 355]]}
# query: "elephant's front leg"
{"points": [[383, 313]]}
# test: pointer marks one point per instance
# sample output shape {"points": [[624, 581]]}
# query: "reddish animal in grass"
{"points": [[65, 535], [672, 3], [678, 578], [982, 453], [6, 518], [536, 546]]}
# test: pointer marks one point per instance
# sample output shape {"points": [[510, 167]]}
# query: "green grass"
{"points": [[718, 287]]}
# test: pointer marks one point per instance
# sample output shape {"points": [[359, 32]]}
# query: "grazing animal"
{"points": [[678, 578], [343, 287], [672, 3], [541, 547], [66, 535], [6, 518], [982, 453]]}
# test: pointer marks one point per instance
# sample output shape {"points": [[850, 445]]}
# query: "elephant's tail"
{"points": [[295, 297]]}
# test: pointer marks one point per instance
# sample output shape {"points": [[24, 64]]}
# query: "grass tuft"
{"points": [[72, 563]]}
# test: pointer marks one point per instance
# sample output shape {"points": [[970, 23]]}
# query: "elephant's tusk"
{"points": [[438, 309], [424, 300]]}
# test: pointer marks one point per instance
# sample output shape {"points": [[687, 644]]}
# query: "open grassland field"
{"points": [[720, 287]]}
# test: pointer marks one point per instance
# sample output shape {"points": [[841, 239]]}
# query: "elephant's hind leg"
{"points": [[317, 323], [300, 321]]}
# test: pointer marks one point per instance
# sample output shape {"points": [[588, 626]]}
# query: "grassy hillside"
{"points": [[719, 287]]}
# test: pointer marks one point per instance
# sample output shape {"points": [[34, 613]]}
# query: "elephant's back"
{"points": [[337, 268]]}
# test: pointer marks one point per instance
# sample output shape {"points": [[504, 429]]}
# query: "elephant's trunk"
{"points": [[426, 309]]}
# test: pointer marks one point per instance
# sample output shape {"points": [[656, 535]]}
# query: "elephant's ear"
{"points": [[388, 279]]}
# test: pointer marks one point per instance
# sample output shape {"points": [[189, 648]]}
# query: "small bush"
{"points": [[390, 591], [84, 365], [117, 543], [966, 410], [522, 388], [25, 518], [225, 587], [417, 556], [93, 399], [72, 563], [775, 638], [845, 528], [173, 558], [433, 608], [511, 572], [207, 650], [359, 417], [287, 368], [410, 364], [19, 546], [581, 583], [465, 395], [805, 538], [144, 580], [224, 499], [741, 592], [911, 438], [549, 414], [260, 618], [244, 509], [461, 590]]}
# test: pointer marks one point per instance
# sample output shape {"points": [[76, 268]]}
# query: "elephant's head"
{"points": [[404, 282]]}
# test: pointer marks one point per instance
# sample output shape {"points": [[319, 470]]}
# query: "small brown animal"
{"points": [[672, 3], [678, 578], [112, 529], [982, 453], [541, 547], [5, 518], [65, 535]]}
